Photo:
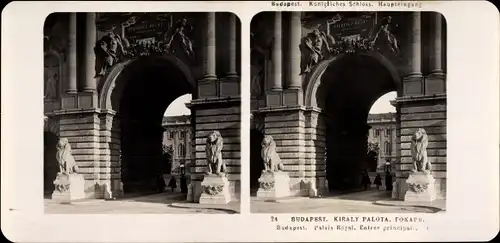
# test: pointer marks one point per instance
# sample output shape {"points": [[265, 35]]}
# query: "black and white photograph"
{"points": [[142, 112], [259, 121], [348, 112]]}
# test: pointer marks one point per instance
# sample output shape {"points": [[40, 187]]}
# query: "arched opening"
{"points": [[257, 164], [177, 140], [348, 88], [142, 91], [382, 137], [50, 165]]}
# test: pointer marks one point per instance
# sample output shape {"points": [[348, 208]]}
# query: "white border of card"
{"points": [[472, 211]]}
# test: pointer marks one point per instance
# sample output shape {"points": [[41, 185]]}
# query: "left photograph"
{"points": [[142, 113]]}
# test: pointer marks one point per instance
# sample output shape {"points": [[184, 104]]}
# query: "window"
{"points": [[387, 148], [171, 134], [377, 132], [182, 150], [387, 132]]}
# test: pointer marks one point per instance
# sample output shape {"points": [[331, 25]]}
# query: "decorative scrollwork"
{"points": [[418, 188], [212, 190]]}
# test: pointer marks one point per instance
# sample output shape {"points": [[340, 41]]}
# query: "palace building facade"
{"points": [[178, 135]]}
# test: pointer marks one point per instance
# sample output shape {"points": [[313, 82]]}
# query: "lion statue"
{"points": [[419, 142], [272, 161], [67, 164], [213, 152]]}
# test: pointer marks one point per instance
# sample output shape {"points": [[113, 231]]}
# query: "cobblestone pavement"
{"points": [[154, 204], [356, 202]]}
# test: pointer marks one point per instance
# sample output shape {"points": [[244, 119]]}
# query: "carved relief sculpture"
{"points": [[419, 144], [181, 30], [314, 47], [272, 161], [51, 81], [108, 50], [213, 152], [65, 159], [385, 32]]}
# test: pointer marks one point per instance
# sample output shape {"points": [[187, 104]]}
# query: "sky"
{"points": [[383, 105], [178, 107]]}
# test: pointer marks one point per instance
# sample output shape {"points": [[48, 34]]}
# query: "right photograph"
{"points": [[348, 112]]}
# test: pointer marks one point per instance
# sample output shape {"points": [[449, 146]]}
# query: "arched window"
{"points": [[387, 148]]}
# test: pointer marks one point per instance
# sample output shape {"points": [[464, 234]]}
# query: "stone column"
{"points": [[209, 48], [436, 67], [276, 79], [295, 81], [72, 69], [416, 45], [89, 81], [232, 46]]}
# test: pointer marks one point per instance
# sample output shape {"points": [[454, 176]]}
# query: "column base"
{"points": [[435, 83], [293, 97], [413, 84]]}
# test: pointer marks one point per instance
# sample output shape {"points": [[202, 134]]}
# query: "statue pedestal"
{"points": [[420, 187], [215, 190], [68, 188], [274, 185]]}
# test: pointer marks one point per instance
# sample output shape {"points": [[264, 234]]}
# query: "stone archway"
{"points": [[133, 99], [343, 89]]}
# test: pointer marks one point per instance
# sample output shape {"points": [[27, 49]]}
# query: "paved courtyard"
{"points": [[372, 201], [155, 204]]}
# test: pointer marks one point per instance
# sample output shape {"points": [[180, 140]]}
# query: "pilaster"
{"points": [[429, 113], [82, 129], [223, 115], [287, 126]]}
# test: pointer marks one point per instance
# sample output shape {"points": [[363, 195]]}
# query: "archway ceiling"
{"points": [[149, 91]]}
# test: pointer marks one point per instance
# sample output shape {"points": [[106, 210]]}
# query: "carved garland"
{"points": [[418, 188], [267, 185], [61, 185], [212, 190]]}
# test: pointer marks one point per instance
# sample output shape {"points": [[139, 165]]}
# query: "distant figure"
{"points": [[394, 190], [378, 181], [184, 188], [388, 181], [366, 180], [160, 182], [173, 183]]}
